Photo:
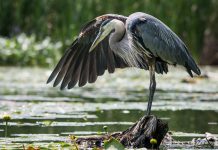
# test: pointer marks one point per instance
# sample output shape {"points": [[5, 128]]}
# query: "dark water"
{"points": [[191, 121], [42, 114]]}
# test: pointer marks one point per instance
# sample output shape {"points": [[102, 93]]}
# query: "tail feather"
{"points": [[192, 66]]}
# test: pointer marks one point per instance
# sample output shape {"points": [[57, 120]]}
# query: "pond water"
{"points": [[43, 115]]}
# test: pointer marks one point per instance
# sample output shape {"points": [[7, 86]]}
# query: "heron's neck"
{"points": [[121, 45], [117, 36]]}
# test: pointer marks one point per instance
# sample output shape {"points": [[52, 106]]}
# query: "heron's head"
{"points": [[105, 29]]}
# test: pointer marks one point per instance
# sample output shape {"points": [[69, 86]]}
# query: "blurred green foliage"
{"points": [[62, 20], [22, 50]]}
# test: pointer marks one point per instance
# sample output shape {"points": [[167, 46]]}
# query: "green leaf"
{"points": [[113, 144], [63, 144]]}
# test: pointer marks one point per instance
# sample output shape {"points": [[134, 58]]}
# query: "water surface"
{"points": [[42, 114]]}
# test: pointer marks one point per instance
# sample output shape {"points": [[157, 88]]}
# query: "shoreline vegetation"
{"points": [[61, 21], [24, 50]]}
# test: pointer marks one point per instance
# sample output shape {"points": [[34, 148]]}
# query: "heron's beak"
{"points": [[101, 35]]}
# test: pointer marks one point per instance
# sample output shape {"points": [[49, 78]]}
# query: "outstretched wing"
{"points": [[159, 41], [78, 65]]}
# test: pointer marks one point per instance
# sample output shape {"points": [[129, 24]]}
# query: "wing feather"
{"points": [[101, 61], [78, 65], [62, 61], [93, 69], [72, 67], [85, 72]]}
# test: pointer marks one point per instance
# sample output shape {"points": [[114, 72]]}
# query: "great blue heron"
{"points": [[114, 41]]}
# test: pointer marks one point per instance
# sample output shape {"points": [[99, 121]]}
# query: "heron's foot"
{"points": [[148, 113]]}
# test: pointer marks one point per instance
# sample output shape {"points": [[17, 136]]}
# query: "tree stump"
{"points": [[138, 135]]}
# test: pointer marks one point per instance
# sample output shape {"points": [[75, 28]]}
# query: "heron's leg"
{"points": [[152, 87]]}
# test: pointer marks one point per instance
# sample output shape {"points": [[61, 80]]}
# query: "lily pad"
{"points": [[113, 144]]}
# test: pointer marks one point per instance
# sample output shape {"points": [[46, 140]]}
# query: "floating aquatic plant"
{"points": [[113, 144], [6, 118]]}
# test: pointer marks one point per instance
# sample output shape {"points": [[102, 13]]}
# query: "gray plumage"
{"points": [[114, 41], [160, 42]]}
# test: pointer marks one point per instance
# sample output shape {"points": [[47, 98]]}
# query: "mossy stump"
{"points": [[148, 132]]}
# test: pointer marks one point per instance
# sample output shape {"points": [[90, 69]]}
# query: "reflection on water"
{"points": [[38, 110], [192, 121]]}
